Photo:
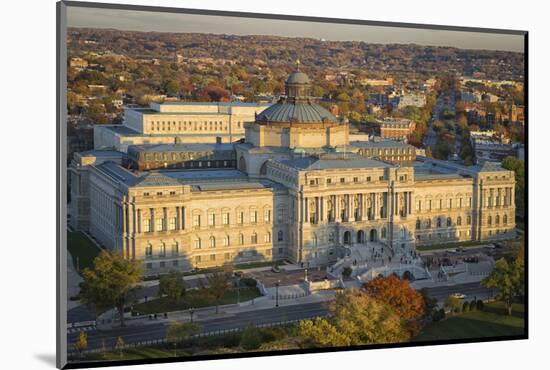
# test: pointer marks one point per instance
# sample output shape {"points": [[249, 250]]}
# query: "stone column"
{"points": [[152, 216], [306, 210]]}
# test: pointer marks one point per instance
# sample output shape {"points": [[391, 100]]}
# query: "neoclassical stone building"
{"points": [[295, 189]]}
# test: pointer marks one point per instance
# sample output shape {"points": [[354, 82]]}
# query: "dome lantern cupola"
{"points": [[297, 85]]}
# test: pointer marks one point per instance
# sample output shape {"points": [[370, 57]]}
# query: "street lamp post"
{"points": [[238, 290], [277, 293]]}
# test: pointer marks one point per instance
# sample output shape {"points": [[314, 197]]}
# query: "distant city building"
{"points": [[396, 128], [375, 82], [470, 97], [78, 63], [415, 100]]}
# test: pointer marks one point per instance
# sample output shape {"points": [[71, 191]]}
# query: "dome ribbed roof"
{"points": [[298, 78], [298, 112]]}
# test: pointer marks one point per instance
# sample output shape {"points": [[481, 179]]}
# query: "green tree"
{"points": [[509, 278], [251, 338], [355, 318], [178, 332], [172, 88], [172, 285], [518, 166], [110, 282], [454, 304], [346, 272], [119, 346], [81, 343], [218, 283]]}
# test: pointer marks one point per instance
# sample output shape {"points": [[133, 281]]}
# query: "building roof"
{"points": [[297, 78], [307, 112], [181, 147], [334, 162], [380, 144]]}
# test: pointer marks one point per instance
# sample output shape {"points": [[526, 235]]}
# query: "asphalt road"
{"points": [[156, 331], [471, 290]]}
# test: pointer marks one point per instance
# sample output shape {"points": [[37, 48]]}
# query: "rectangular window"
{"points": [[211, 219], [160, 224], [175, 263], [470, 202], [149, 266], [429, 205], [240, 218], [175, 250], [225, 218], [355, 179], [267, 216], [172, 193], [342, 180], [329, 181], [253, 217], [196, 220], [418, 205], [440, 204], [450, 201], [162, 251], [460, 203], [197, 259], [162, 264], [147, 225], [227, 256], [172, 224], [197, 244], [212, 257], [368, 178]]}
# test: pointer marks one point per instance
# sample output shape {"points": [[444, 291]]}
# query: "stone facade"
{"points": [[307, 205]]}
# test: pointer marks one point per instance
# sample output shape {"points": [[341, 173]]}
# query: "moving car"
{"points": [[458, 295]]}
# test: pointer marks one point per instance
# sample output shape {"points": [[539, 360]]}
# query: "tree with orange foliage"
{"points": [[400, 296]]}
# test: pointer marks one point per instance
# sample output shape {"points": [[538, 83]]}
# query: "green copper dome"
{"points": [[297, 78]]}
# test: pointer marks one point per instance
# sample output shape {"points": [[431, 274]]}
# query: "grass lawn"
{"points": [[132, 354], [194, 298], [491, 322], [82, 249]]}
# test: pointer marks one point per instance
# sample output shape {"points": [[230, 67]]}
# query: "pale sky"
{"points": [[192, 23]]}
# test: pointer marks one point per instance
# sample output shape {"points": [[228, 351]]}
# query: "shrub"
{"points": [[249, 282], [251, 338], [346, 273], [465, 307], [473, 306], [479, 305], [407, 275], [438, 315]]}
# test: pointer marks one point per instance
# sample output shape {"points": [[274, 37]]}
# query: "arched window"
{"points": [[459, 220], [468, 220], [497, 219], [449, 221], [403, 233], [226, 241], [439, 222], [383, 233], [212, 242], [197, 243], [254, 238], [428, 223], [418, 224], [505, 220], [267, 237], [489, 220], [280, 236]]}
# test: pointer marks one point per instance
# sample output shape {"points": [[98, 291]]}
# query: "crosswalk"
{"points": [[82, 328]]}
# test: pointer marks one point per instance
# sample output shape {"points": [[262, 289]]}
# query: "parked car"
{"points": [[458, 295], [490, 246]]}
